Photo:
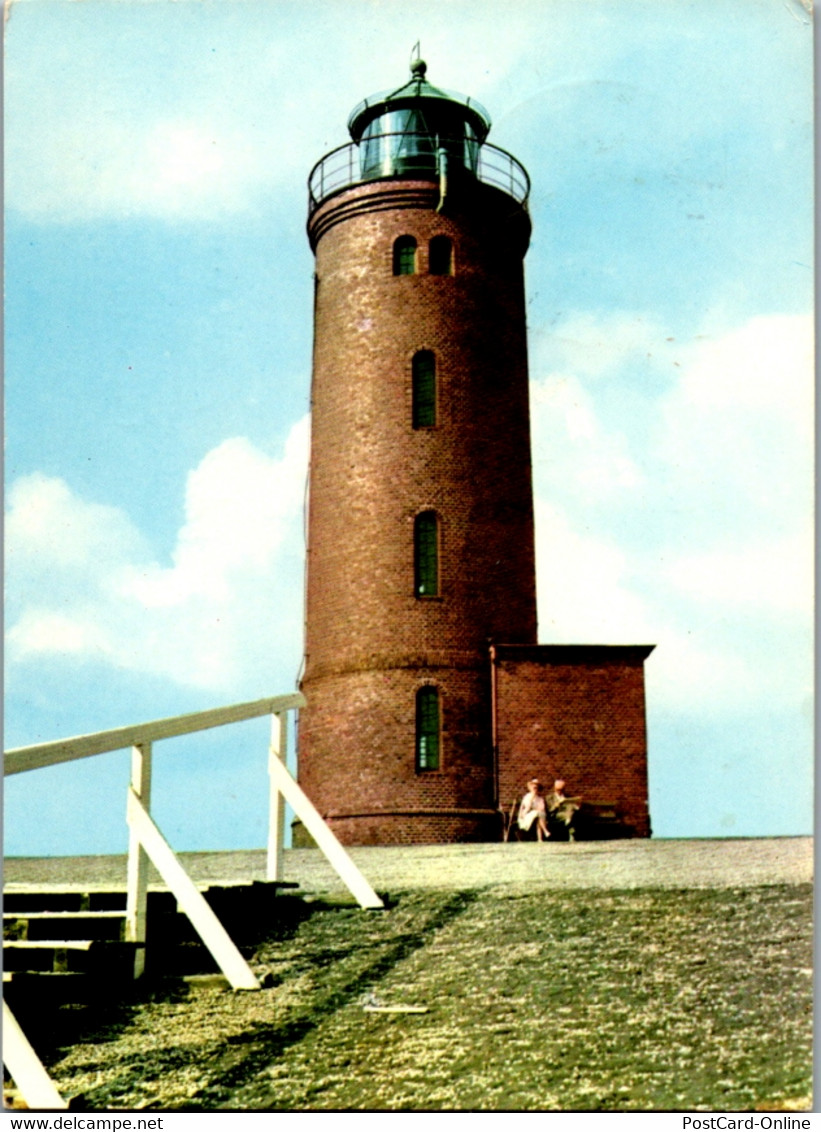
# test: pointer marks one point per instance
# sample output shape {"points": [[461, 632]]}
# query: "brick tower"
{"points": [[429, 701], [420, 522]]}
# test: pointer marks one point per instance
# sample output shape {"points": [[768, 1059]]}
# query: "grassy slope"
{"points": [[593, 1000]]}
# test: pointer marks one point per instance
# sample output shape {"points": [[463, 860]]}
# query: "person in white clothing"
{"points": [[533, 810]]}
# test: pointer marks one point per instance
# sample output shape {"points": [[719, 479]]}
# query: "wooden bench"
{"points": [[595, 821]]}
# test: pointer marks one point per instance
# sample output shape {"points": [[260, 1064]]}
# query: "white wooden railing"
{"points": [[147, 843]]}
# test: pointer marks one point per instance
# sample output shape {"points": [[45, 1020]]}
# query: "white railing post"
{"points": [[189, 899], [137, 884], [325, 840], [36, 1087], [276, 805]]}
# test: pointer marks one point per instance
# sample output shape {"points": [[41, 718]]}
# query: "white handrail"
{"points": [[100, 742], [140, 737], [146, 841]]}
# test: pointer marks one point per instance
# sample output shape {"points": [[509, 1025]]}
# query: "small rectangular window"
{"points": [[423, 374], [427, 729], [440, 256], [426, 554], [404, 256]]}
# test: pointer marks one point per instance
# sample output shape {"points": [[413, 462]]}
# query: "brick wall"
{"points": [[575, 712], [370, 642], [411, 827], [363, 723]]}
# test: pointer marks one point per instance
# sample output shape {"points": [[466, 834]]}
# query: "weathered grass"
{"points": [[589, 1000]]}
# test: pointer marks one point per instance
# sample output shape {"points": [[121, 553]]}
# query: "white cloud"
{"points": [[726, 602], [737, 429], [43, 631], [195, 167], [239, 507], [213, 619], [774, 578], [718, 571], [727, 667], [47, 527], [590, 345], [728, 633], [107, 124], [572, 448], [252, 104], [89, 92], [583, 585], [759, 366]]}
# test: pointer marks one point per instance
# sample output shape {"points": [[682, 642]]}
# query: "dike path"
{"points": [[514, 867]]}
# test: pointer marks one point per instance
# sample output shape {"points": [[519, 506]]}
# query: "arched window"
{"points": [[423, 375], [404, 256], [440, 258], [427, 728], [426, 554]]}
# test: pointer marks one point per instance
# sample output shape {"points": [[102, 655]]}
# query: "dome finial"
{"points": [[417, 66]]}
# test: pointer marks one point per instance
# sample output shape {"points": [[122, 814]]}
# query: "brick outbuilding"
{"points": [[575, 712]]}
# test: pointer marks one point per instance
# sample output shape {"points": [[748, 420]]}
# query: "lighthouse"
{"points": [[420, 534]]}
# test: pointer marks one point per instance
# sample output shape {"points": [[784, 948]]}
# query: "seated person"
{"points": [[561, 809], [533, 811]]}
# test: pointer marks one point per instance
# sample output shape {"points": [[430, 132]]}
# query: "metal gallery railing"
{"points": [[414, 156]]}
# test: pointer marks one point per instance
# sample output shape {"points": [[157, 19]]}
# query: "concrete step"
{"points": [[39, 990], [75, 898], [64, 955], [65, 898], [49, 929], [107, 958], [63, 925]]}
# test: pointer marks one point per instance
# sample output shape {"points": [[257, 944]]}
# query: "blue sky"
{"points": [[158, 344]]}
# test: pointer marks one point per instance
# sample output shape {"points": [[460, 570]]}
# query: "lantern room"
{"points": [[413, 130], [417, 132]]}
